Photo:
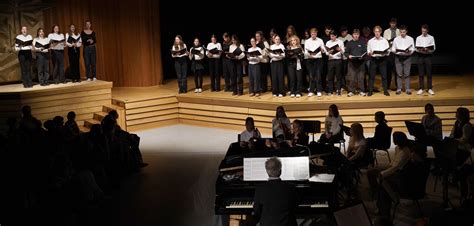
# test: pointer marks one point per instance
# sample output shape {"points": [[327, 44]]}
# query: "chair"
{"points": [[311, 127], [383, 144], [413, 178]]}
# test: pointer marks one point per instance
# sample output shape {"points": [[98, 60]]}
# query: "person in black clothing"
{"points": [[89, 39], [298, 136], [382, 132], [226, 62], [275, 201], [355, 50]]}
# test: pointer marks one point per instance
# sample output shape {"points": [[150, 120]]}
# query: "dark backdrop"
{"points": [[447, 20]]}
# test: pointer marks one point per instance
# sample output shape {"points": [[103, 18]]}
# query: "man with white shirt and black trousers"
{"points": [[23, 45], [355, 51], [425, 46], [275, 201], [378, 49], [313, 49], [403, 46], [335, 49], [390, 34]]}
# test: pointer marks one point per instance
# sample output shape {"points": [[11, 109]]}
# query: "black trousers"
{"points": [[58, 65], [264, 68], [278, 84], [391, 70], [42, 63], [356, 75], [334, 71], [181, 68], [226, 71], [255, 78], [315, 67], [215, 76], [90, 61], [424, 66], [381, 64], [344, 72], [74, 70], [295, 78], [236, 81], [324, 71], [198, 78], [25, 57]]}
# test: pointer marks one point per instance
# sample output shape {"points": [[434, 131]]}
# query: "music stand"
{"points": [[416, 129], [311, 126]]}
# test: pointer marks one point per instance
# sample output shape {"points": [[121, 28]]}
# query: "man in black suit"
{"points": [[275, 201]]}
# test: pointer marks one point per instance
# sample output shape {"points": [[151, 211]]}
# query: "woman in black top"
{"points": [[89, 39]]}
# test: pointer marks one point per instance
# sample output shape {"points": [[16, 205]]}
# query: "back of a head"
{"points": [[26, 110], [71, 116], [463, 114], [380, 117], [58, 121], [273, 167], [400, 139], [113, 114]]}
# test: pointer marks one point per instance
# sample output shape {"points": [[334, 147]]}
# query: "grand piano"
{"points": [[235, 196]]}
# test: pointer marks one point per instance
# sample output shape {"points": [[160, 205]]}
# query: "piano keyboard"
{"points": [[249, 205]]}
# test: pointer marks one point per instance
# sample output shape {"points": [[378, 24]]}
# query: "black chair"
{"points": [[413, 178], [382, 144], [311, 127]]}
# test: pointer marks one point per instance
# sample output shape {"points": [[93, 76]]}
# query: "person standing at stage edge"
{"points": [[89, 39], [179, 52], [23, 45]]}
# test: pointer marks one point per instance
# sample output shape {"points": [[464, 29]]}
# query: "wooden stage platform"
{"points": [[161, 105], [150, 107]]}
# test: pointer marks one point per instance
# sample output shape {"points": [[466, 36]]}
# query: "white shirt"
{"points": [[332, 43], [425, 41], [256, 59], [246, 135], [311, 45], [344, 40], [233, 47], [277, 57], [265, 58], [23, 38], [214, 46], [57, 37], [402, 44], [377, 44], [42, 41], [76, 37], [196, 56], [177, 48], [333, 124], [387, 34]]}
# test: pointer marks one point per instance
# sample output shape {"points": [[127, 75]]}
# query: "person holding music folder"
{"points": [[226, 62], [334, 50], [313, 50], [236, 54], [214, 50], [275, 201], [403, 46], [425, 46], [345, 37], [332, 125], [179, 52], [264, 61], [325, 37], [196, 55], [277, 54], [23, 45], [254, 56], [250, 133], [74, 43], [378, 49], [57, 54], [355, 52], [41, 47], [390, 34], [89, 40], [295, 55]]}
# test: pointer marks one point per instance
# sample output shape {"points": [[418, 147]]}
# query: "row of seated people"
{"points": [[53, 171]]}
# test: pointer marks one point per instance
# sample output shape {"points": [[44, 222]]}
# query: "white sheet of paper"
{"points": [[322, 178], [293, 168]]}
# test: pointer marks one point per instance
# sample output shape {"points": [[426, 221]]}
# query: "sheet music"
{"points": [[322, 178], [293, 168]]}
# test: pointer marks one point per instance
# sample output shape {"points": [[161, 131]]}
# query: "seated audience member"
{"points": [[28, 123], [382, 132], [386, 182], [249, 134], [332, 125], [462, 132], [357, 144], [71, 129], [281, 125], [275, 201]]}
